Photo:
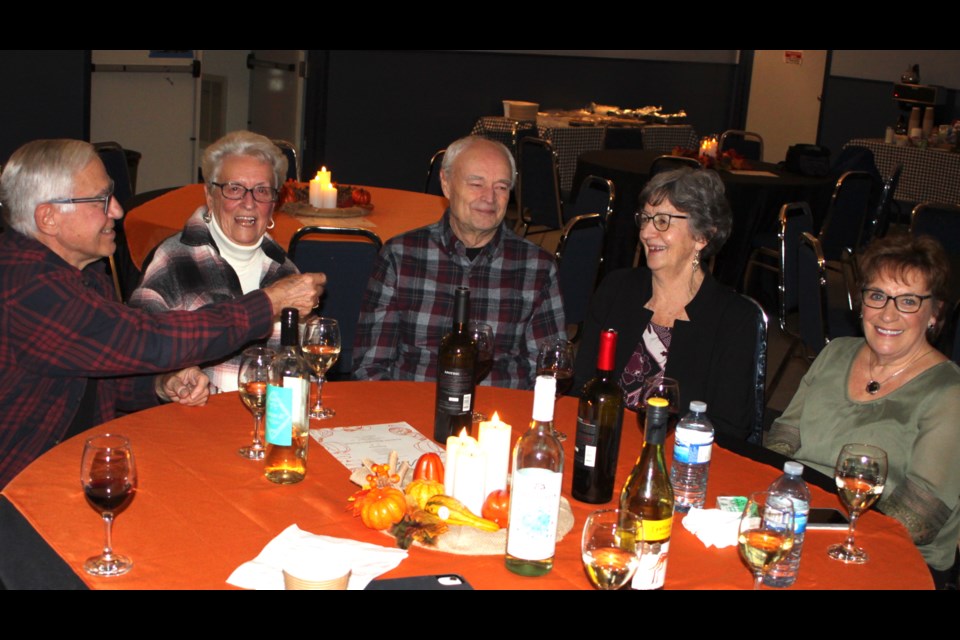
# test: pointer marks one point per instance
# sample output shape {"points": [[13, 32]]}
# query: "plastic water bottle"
{"points": [[784, 573], [693, 444]]}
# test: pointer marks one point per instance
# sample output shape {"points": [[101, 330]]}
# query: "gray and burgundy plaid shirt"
{"points": [[408, 305]]}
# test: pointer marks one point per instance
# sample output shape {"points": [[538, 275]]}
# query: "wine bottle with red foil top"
{"points": [[599, 422], [456, 365], [648, 493]]}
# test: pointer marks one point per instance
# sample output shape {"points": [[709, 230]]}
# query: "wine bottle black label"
{"points": [[456, 390], [588, 438]]}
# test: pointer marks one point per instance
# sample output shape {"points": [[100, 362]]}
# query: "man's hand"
{"points": [[191, 387], [301, 291]]}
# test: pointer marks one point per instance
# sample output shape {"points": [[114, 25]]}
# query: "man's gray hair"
{"points": [[243, 143], [38, 172], [459, 146]]}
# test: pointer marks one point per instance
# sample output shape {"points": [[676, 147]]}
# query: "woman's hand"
{"points": [[300, 291], [190, 387]]}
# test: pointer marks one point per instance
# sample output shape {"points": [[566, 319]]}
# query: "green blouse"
{"points": [[918, 425]]}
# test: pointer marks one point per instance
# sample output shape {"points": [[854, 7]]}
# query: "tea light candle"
{"points": [[495, 443]]}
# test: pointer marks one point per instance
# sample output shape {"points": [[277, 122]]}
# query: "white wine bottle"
{"points": [[599, 420], [649, 494], [535, 489], [288, 395], [456, 363]]}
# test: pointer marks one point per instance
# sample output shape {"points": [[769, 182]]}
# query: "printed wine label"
{"points": [[280, 405], [534, 512]]}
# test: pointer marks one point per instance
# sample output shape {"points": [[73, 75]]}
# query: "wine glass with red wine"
{"points": [[108, 476], [483, 336], [659, 386], [252, 383], [556, 359]]}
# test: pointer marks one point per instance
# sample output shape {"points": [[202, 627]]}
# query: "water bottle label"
{"points": [[801, 511], [692, 447]]}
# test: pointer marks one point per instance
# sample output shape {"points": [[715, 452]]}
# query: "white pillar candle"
{"points": [[316, 188], [468, 484], [495, 443], [450, 467], [328, 197], [325, 177]]}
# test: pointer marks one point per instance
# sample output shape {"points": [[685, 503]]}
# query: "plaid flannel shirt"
{"points": [[408, 304], [60, 326]]}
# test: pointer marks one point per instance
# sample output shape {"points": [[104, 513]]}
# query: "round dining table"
{"points": [[755, 196], [394, 212], [200, 510]]}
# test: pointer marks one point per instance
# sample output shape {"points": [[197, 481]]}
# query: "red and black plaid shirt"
{"points": [[60, 326]]}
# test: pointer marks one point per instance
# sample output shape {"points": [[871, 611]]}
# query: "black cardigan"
{"points": [[711, 355]]}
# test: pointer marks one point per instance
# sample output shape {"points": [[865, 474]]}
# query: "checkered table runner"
{"points": [[664, 137], [929, 175]]}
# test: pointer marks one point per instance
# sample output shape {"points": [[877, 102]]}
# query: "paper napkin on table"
{"points": [[713, 526], [367, 560]]}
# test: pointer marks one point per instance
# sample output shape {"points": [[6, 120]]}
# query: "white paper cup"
{"points": [[317, 574]]}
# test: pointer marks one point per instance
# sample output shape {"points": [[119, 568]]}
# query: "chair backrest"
{"points": [[578, 263], [760, 369], [942, 221], [795, 218], [538, 185], [879, 219], [432, 185], [747, 143], [125, 274], [596, 195], [347, 264], [293, 158], [847, 213], [812, 289], [668, 163]]}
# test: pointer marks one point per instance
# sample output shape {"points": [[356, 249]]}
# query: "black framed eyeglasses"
{"points": [[661, 221], [105, 199], [235, 191], [905, 302]]}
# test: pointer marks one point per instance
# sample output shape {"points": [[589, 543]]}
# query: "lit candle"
{"points": [[328, 197], [450, 468], [495, 443], [316, 188], [471, 468]]}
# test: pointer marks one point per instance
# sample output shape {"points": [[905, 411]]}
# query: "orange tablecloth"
{"points": [[394, 212], [200, 510]]}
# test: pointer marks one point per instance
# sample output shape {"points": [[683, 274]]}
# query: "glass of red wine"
{"points": [[483, 335], [659, 386], [556, 359], [108, 476], [252, 383]]}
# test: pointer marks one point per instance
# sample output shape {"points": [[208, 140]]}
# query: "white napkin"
{"points": [[713, 526], [266, 570]]}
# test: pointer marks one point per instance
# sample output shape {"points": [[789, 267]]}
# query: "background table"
{"points": [[200, 510], [394, 212], [929, 175]]}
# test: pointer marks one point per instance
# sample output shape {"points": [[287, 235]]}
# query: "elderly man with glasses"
{"points": [[71, 356]]}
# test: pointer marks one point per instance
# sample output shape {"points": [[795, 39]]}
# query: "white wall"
{"points": [[937, 67]]}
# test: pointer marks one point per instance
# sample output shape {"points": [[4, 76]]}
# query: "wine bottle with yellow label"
{"points": [[648, 493]]}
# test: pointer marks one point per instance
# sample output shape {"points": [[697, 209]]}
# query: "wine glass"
{"points": [[321, 348], [556, 359], [611, 546], [252, 384], [860, 473], [108, 476], [483, 335], [766, 532], [659, 386]]}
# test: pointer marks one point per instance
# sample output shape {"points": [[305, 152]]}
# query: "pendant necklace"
{"points": [[873, 386]]}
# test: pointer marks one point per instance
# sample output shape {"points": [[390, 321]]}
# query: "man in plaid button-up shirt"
{"points": [[408, 305]]}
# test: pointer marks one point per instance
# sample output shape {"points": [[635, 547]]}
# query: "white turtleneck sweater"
{"points": [[249, 261]]}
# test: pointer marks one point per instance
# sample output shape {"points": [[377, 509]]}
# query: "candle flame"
{"points": [[495, 418]]}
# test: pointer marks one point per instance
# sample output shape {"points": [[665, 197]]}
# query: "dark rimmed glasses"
{"points": [[235, 191], [661, 221], [905, 302], [105, 199]]}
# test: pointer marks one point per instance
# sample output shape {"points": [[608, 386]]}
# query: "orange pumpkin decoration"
{"points": [[380, 508]]}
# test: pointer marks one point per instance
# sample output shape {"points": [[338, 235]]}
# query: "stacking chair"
{"points": [[596, 195], [746, 143], [293, 159], [579, 255], [125, 274], [432, 185], [942, 221], [847, 214], [538, 187], [347, 264], [668, 163], [760, 368], [820, 321], [879, 221]]}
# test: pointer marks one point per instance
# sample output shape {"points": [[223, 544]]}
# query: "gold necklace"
{"points": [[873, 386]]}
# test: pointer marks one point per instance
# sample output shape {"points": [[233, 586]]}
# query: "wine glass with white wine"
{"points": [[252, 384], [860, 473], [321, 348], [611, 547], [766, 532]]}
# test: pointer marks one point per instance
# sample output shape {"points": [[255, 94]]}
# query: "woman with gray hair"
{"points": [[224, 250], [673, 319]]}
